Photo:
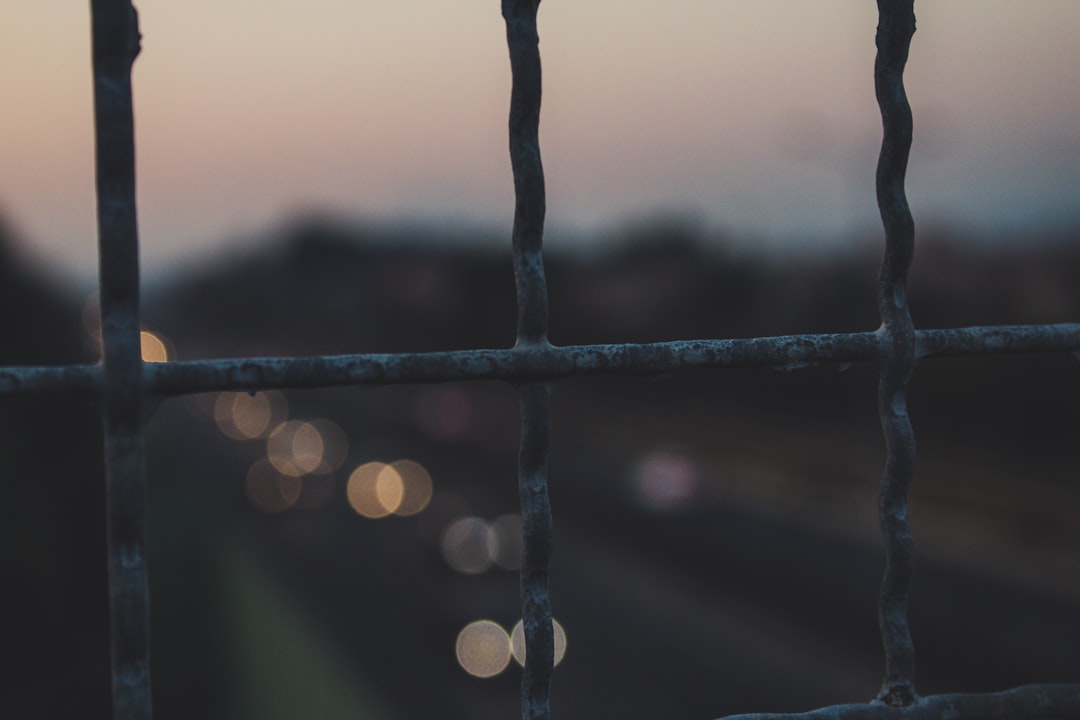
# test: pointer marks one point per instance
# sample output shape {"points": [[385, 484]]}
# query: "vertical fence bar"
{"points": [[529, 199], [896, 26], [529, 208], [115, 46], [536, 559]]}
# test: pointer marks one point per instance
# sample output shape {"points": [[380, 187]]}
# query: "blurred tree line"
{"points": [[330, 288]]}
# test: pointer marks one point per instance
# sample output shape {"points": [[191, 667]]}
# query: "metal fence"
{"points": [[122, 380]]}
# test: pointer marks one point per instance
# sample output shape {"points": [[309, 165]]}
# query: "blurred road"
{"points": [[717, 606]]}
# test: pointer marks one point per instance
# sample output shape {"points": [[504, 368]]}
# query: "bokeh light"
{"points": [[517, 641], [389, 489], [296, 448], [270, 490], [483, 649], [249, 416], [666, 480], [377, 489], [374, 490], [417, 487], [155, 347], [466, 545]]}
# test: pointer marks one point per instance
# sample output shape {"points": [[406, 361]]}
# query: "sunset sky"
{"points": [[757, 118]]}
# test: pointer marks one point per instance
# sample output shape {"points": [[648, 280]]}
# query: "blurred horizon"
{"points": [[756, 121], [682, 231]]}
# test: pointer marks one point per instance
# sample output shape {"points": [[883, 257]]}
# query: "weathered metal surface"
{"points": [[996, 340], [537, 544], [896, 25], [71, 380], [540, 363], [1031, 702], [115, 46], [525, 363], [530, 206], [532, 329]]}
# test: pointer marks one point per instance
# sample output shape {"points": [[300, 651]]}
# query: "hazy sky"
{"points": [[758, 117]]}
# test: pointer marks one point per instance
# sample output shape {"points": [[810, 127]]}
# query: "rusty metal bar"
{"points": [[115, 45], [1031, 702], [522, 42]]}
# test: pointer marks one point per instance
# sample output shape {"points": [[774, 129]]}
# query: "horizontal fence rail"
{"points": [[1035, 702], [122, 381], [551, 362]]}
